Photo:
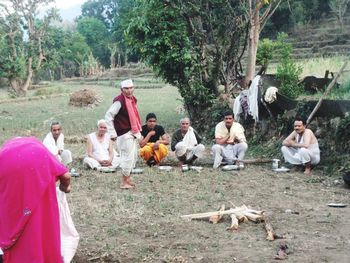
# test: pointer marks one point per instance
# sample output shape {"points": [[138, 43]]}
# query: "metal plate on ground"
{"points": [[281, 170], [165, 168], [106, 169], [137, 171], [196, 168], [340, 205], [230, 167]]}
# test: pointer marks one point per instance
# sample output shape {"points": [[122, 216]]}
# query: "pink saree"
{"points": [[29, 217]]}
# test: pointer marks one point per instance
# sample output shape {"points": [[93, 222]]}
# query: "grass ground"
{"points": [[144, 225]]}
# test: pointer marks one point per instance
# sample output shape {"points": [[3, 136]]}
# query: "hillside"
{"points": [[321, 38]]}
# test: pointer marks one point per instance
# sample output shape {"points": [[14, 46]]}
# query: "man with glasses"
{"points": [[231, 144], [187, 143]]}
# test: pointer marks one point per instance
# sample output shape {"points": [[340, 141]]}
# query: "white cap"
{"points": [[126, 83]]}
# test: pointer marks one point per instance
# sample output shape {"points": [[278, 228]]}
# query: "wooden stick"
{"points": [[216, 219], [270, 232], [209, 214], [234, 223], [243, 209], [330, 86]]}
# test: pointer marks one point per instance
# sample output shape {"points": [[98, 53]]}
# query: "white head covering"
{"points": [[101, 121], [126, 83]]}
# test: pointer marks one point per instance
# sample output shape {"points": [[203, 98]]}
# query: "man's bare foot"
{"points": [[126, 186], [307, 170], [128, 180]]}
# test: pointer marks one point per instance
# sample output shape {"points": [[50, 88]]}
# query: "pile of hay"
{"points": [[84, 98]]}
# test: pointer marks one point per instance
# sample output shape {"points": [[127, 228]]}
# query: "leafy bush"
{"points": [[288, 71]]}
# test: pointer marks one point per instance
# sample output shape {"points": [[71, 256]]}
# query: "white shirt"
{"points": [[109, 117]]}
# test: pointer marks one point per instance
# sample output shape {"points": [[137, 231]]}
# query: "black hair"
{"points": [[227, 113], [300, 118], [151, 115]]}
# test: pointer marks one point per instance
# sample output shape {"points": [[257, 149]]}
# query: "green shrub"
{"points": [[288, 71]]}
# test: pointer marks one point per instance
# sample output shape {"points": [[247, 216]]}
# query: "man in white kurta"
{"points": [[231, 144], [186, 143], [301, 146], [100, 151], [124, 125], [54, 142]]}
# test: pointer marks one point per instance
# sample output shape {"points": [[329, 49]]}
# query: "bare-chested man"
{"points": [[301, 146]]}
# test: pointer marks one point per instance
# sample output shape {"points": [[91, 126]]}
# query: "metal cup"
{"points": [[275, 163]]}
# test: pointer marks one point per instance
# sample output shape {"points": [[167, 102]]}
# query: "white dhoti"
{"points": [[127, 146], [300, 156], [229, 153], [65, 157], [181, 149], [94, 164]]}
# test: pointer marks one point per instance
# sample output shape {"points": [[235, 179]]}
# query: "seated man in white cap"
{"points": [[187, 143], [100, 151], [124, 125], [54, 142]]}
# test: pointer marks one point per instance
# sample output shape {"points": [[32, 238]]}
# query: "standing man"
{"points": [[124, 125], [231, 144], [301, 146], [54, 142], [153, 145], [187, 143]]}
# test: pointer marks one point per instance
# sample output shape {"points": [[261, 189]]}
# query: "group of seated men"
{"points": [[299, 148]]}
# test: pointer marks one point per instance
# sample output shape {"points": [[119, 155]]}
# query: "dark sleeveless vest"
{"points": [[121, 120]]}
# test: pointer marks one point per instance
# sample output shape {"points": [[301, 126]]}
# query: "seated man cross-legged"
{"points": [[230, 141], [187, 143], [153, 145], [54, 142], [100, 150], [301, 146]]}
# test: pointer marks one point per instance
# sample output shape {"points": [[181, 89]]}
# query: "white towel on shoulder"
{"points": [[52, 145], [190, 138]]}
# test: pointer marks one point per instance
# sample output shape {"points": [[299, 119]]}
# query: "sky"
{"points": [[66, 4]]}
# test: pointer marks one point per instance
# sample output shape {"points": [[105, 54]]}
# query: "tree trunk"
{"points": [[22, 88], [254, 33]]}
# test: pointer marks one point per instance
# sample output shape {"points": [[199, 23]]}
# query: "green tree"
{"points": [[194, 45], [103, 10], [24, 35], [97, 37], [339, 8], [67, 53]]}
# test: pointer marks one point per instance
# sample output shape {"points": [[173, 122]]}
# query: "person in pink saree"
{"points": [[29, 216]]}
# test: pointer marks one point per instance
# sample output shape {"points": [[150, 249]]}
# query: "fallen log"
{"points": [[240, 210], [238, 215]]}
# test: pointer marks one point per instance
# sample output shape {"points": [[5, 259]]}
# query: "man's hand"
{"points": [[156, 145], [151, 133], [105, 163], [65, 183]]}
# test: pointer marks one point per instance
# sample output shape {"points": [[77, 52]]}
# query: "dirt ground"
{"points": [[144, 224]]}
